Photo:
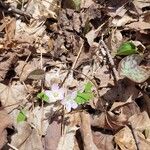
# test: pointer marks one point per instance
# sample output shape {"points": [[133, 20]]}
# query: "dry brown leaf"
{"points": [[53, 132], [12, 96], [10, 31], [121, 21], [26, 138], [67, 140], [124, 138], [86, 132], [116, 120], [5, 122], [7, 60], [115, 41], [103, 141], [140, 121]]}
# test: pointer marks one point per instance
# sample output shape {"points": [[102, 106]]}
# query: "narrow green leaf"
{"points": [[88, 87], [83, 98], [127, 48], [43, 96], [21, 116]]}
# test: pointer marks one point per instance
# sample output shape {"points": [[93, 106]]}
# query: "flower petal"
{"points": [[50, 96], [55, 87]]}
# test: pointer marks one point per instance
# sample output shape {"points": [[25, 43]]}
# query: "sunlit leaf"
{"points": [[88, 87], [21, 116], [127, 48], [37, 74], [129, 67], [83, 98], [43, 96]]}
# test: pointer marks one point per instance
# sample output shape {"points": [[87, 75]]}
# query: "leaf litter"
{"points": [[96, 52]]}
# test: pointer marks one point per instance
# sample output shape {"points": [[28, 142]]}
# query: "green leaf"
{"points": [[83, 98], [88, 87], [127, 48], [21, 116], [43, 96], [129, 67]]}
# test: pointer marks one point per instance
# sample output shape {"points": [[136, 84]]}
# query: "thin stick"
{"points": [[11, 146], [8, 8], [73, 65], [134, 136], [110, 60]]}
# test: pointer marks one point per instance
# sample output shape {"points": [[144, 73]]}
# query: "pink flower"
{"points": [[55, 93], [69, 101]]}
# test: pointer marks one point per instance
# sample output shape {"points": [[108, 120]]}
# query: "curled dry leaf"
{"points": [[117, 117], [129, 67]]}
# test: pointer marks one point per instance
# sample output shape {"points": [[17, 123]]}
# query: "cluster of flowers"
{"points": [[56, 93]]}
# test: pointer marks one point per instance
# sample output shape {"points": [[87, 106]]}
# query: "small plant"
{"points": [[70, 100], [21, 116], [127, 48]]}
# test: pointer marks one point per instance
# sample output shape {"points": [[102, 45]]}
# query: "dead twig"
{"points": [[73, 65], [134, 136], [7, 8], [110, 60]]}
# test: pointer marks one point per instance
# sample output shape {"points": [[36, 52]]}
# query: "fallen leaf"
{"points": [[67, 140], [140, 121], [86, 132], [129, 67], [53, 132], [12, 96], [37, 74], [5, 123], [125, 140]]}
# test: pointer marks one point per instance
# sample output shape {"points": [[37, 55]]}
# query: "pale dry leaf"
{"points": [[139, 4], [140, 25], [24, 69], [140, 121], [86, 3], [90, 36], [125, 140], [67, 140], [86, 132], [26, 138], [10, 31], [121, 21], [38, 118], [53, 132], [115, 41], [23, 133], [103, 141], [13, 95]]}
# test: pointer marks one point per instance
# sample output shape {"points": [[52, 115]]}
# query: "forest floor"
{"points": [[74, 74]]}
